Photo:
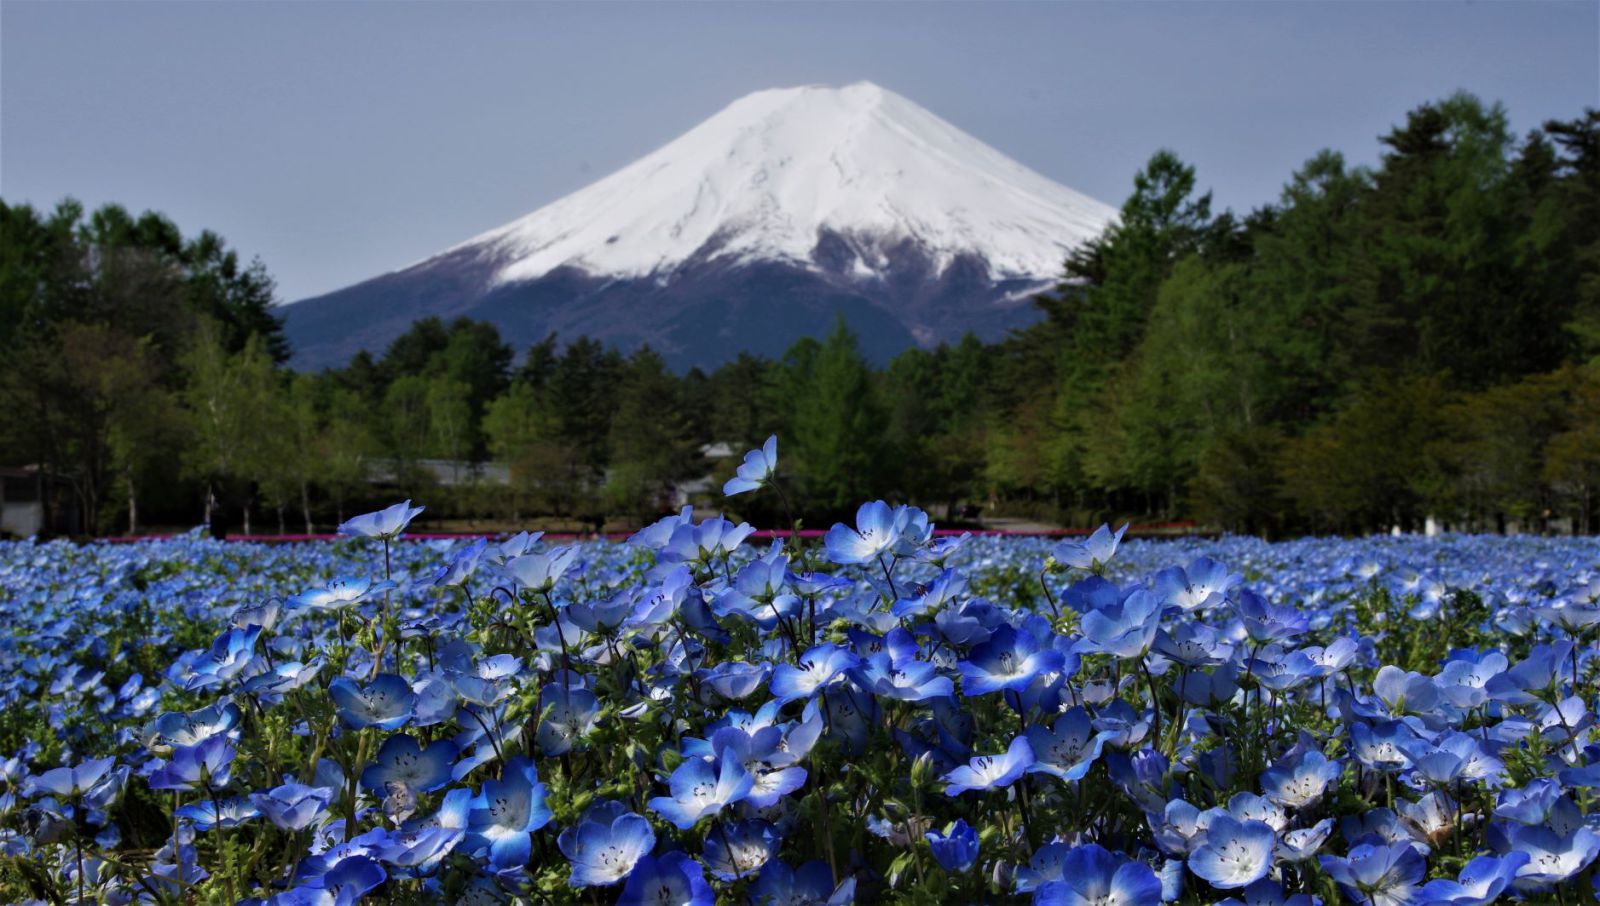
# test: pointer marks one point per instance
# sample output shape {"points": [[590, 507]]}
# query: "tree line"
{"points": [[1380, 345]]}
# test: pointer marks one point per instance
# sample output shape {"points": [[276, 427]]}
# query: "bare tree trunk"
{"points": [[281, 529], [305, 504], [210, 498], [247, 516], [133, 508]]}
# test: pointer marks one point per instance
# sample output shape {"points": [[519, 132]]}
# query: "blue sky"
{"points": [[341, 140]]}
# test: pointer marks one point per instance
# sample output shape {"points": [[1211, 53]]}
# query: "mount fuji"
{"points": [[756, 227]]}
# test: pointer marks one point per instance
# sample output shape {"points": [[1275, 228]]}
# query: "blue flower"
{"points": [[207, 813], [605, 845], [386, 523], [987, 772], [1479, 884], [1069, 747], [1267, 892], [1092, 552], [385, 703], [539, 572], [756, 470], [229, 655], [402, 760], [74, 781], [740, 849], [702, 787], [569, 713], [293, 806], [874, 535], [1300, 777], [809, 885], [815, 669], [506, 813], [1091, 875], [1126, 629], [208, 765], [674, 879], [1553, 857], [956, 847], [1379, 874], [1010, 661], [1235, 853]]}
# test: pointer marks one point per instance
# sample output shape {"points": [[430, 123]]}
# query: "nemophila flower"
{"points": [[1092, 552], [339, 593], [403, 760], [605, 844], [207, 765], [702, 787], [987, 772], [674, 879], [1069, 747], [506, 812], [568, 714], [385, 523], [1179, 827], [1264, 621], [1481, 883], [874, 535], [229, 654], [343, 884], [757, 469], [385, 703], [1043, 867], [1091, 875], [422, 843], [462, 564], [293, 806], [1235, 853], [712, 540], [1531, 803], [899, 674], [1535, 678], [734, 680], [1404, 692], [955, 848], [1302, 843], [539, 572], [1332, 658], [1203, 583], [69, 782], [1384, 874], [1553, 857], [207, 813], [1126, 629], [1193, 645], [1009, 661], [1267, 892], [739, 849], [1300, 778], [809, 885], [1456, 756], [1382, 746], [814, 669], [1141, 775], [188, 728], [944, 589]]}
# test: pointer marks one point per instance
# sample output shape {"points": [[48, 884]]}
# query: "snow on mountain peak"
{"points": [[771, 173]]}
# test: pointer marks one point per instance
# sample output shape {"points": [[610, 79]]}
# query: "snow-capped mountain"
{"points": [[752, 229]]}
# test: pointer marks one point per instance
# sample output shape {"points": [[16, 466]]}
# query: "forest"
{"points": [[1381, 345]]}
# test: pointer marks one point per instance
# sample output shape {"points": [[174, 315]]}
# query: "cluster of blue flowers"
{"points": [[893, 715]]}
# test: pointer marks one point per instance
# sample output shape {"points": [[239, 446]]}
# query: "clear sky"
{"points": [[339, 140]]}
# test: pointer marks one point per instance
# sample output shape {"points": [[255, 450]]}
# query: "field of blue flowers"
{"points": [[889, 715]]}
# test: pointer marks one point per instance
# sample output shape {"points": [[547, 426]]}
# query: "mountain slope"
{"points": [[756, 227]]}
